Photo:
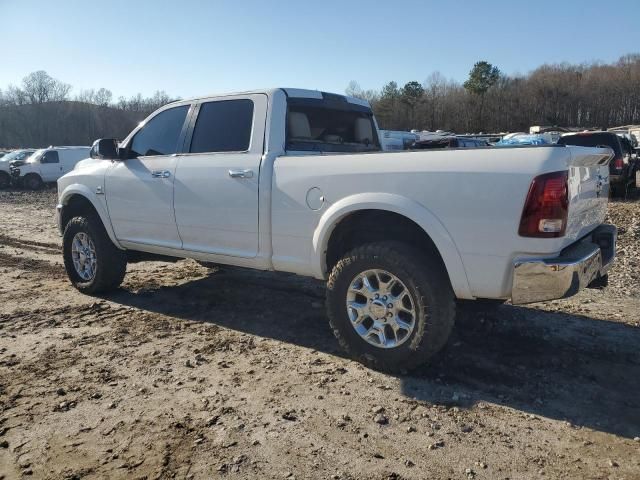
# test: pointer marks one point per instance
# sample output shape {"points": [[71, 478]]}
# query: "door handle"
{"points": [[161, 174], [241, 173]]}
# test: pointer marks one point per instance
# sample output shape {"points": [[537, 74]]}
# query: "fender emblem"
{"points": [[99, 191]]}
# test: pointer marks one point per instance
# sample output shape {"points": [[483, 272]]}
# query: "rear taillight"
{"points": [[618, 163], [547, 206]]}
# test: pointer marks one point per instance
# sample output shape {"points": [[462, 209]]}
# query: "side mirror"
{"points": [[105, 149]]}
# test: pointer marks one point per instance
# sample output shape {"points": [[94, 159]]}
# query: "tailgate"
{"points": [[588, 190]]}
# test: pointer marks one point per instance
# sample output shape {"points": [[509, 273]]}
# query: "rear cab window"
{"points": [[330, 124]]}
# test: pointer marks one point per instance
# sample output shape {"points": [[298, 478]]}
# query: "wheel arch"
{"points": [[76, 199], [402, 207]]}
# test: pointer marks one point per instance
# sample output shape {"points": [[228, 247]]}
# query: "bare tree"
{"points": [[39, 87], [103, 97], [15, 95]]}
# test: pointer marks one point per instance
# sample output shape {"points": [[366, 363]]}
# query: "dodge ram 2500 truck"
{"points": [[294, 180]]}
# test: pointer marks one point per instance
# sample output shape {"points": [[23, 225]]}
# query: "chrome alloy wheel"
{"points": [[381, 308], [83, 253]]}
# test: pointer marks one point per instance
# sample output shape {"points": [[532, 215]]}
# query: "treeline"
{"points": [[42, 111], [585, 95]]}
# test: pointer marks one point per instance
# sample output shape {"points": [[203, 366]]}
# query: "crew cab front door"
{"points": [[216, 186], [50, 166], [139, 189]]}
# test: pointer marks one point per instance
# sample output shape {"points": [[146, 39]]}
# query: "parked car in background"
{"points": [[435, 141], [47, 165], [296, 182], [523, 139], [5, 162], [623, 166], [632, 132], [396, 139]]}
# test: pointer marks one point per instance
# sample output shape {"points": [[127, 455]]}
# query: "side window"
{"points": [[50, 157], [223, 126], [160, 135]]}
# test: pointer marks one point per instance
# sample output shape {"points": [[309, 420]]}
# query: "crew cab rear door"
{"points": [[139, 189], [217, 178]]}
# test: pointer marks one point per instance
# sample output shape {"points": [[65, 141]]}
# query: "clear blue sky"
{"points": [[190, 47]]}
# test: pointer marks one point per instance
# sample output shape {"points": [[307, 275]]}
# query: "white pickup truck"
{"points": [[294, 180]]}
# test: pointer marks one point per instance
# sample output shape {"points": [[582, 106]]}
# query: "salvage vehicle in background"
{"points": [[5, 164], [295, 180], [513, 139], [396, 139], [46, 165], [428, 142], [623, 166]]}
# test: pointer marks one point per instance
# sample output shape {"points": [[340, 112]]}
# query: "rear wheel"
{"points": [[93, 263], [33, 181], [5, 180], [390, 306]]}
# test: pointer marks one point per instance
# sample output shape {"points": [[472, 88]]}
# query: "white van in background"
{"points": [[47, 165]]}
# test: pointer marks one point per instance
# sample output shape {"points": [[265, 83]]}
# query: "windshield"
{"points": [[16, 155], [330, 124]]}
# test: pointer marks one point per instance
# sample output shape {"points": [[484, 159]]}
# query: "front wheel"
{"points": [[33, 181], [93, 263], [390, 306], [5, 180]]}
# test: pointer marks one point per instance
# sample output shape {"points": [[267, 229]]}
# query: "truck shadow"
{"points": [[555, 365]]}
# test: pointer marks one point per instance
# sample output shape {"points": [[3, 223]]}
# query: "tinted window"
{"points": [[223, 127], [160, 135], [50, 157], [316, 125]]}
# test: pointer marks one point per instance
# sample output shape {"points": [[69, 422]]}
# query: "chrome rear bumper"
{"points": [[540, 279]]}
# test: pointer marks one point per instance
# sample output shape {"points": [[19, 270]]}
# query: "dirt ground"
{"points": [[187, 372]]}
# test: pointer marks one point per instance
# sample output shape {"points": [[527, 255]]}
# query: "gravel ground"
{"points": [[188, 372]]}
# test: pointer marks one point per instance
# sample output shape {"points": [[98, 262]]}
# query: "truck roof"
{"points": [[290, 92]]}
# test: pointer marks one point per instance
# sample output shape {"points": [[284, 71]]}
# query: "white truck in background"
{"points": [[47, 165], [295, 180]]}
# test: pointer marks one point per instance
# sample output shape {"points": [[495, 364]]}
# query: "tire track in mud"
{"points": [[68, 315], [34, 265], [28, 263], [45, 247]]}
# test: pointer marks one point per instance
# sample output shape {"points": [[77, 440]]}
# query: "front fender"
{"points": [[403, 206], [98, 204]]}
